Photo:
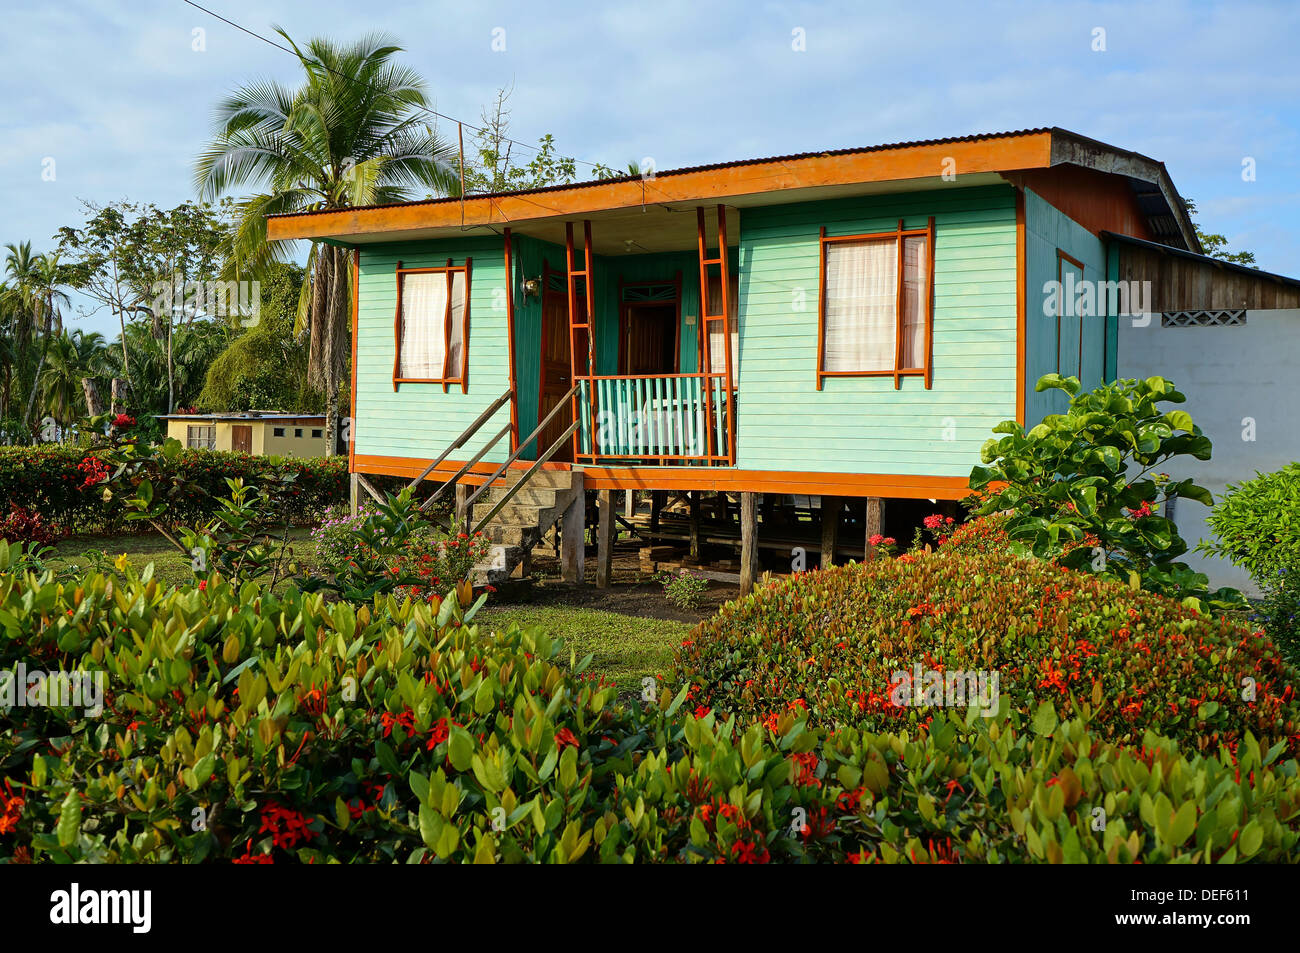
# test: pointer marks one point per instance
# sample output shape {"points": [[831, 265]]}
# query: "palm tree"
{"points": [[72, 362], [350, 135], [36, 279]]}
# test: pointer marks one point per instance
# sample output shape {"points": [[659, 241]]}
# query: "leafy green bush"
{"points": [[1257, 525], [839, 643], [685, 588], [249, 727], [391, 546], [51, 480], [1084, 487]]}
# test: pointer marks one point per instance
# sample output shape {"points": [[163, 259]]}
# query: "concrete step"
{"points": [[557, 479], [530, 495], [513, 514], [526, 536], [499, 565]]}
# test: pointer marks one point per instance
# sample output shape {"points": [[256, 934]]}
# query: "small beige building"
{"points": [[261, 433]]}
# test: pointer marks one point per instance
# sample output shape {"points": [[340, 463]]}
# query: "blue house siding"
{"points": [[1048, 230], [862, 424], [419, 420]]}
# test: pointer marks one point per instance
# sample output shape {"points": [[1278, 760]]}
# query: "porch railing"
{"points": [[666, 419]]}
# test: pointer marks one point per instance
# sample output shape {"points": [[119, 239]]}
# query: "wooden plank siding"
{"points": [[1179, 283], [419, 420], [1047, 231], [863, 424]]}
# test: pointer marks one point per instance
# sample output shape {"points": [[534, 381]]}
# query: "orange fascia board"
{"points": [[1012, 153], [715, 479]]}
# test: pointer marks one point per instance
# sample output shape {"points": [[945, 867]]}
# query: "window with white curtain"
{"points": [[431, 341], [874, 311]]}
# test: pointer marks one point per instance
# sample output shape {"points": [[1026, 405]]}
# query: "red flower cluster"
{"points": [[12, 805], [286, 826], [122, 420], [878, 540], [936, 521], [95, 471]]}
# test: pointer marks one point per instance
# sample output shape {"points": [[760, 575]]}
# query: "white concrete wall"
{"points": [[1231, 376]]}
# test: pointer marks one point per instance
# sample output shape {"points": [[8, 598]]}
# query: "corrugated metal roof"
{"points": [[588, 183]]}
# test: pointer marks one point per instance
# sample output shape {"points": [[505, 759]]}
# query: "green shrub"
{"points": [[685, 588], [249, 727], [834, 642], [51, 480], [1257, 525], [391, 546], [1084, 487]]}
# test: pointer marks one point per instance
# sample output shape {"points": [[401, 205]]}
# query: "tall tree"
{"points": [[351, 134], [123, 255], [37, 279], [73, 368]]}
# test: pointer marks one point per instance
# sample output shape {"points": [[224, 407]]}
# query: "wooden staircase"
{"points": [[517, 505], [519, 525]]}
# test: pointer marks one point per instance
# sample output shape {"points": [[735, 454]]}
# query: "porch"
{"points": [[631, 338]]}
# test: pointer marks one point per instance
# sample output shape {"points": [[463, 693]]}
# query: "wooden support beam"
{"points": [[353, 490], [629, 503], [573, 541], [875, 521], [830, 526], [657, 498], [463, 491], [748, 543], [605, 538], [695, 524]]}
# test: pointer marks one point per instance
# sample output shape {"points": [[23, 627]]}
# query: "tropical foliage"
{"points": [[242, 726], [1257, 526], [1088, 488]]}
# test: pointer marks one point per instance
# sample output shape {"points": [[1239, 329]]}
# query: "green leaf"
{"points": [[1045, 720], [460, 748], [69, 819]]}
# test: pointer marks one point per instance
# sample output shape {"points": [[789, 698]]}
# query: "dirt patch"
{"points": [[630, 592]]}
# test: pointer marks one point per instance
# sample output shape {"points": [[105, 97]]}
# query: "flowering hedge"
{"points": [[833, 643], [285, 729], [58, 483]]}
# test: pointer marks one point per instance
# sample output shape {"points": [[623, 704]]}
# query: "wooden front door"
{"points": [[648, 339], [241, 438], [557, 372]]}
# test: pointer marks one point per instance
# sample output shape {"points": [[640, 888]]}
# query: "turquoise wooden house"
{"points": [[847, 325]]}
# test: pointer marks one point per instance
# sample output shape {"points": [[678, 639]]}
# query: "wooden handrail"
{"points": [[466, 468], [506, 497], [469, 504], [459, 442]]}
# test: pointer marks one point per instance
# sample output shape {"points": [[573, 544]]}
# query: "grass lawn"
{"points": [[625, 648], [170, 565]]}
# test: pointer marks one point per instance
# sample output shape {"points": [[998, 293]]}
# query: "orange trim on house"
{"points": [[1025, 151], [352, 397], [1021, 292], [891, 486]]}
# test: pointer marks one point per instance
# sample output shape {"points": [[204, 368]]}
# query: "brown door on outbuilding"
{"points": [[241, 438]]}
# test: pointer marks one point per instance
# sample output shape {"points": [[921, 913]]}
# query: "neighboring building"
{"points": [[847, 325], [261, 433], [1229, 337]]}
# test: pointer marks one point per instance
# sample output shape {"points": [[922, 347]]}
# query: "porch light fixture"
{"points": [[532, 287]]}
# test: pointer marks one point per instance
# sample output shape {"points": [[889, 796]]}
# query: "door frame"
{"points": [[562, 294], [625, 307]]}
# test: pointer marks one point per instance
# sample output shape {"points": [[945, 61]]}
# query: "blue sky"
{"points": [[118, 97]]}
